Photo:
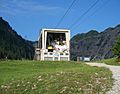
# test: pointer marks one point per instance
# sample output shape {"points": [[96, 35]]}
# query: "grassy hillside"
{"points": [[21, 77], [111, 61]]}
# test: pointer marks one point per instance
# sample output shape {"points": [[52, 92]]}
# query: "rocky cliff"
{"points": [[94, 44]]}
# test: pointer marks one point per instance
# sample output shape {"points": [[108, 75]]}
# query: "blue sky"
{"points": [[27, 17]]}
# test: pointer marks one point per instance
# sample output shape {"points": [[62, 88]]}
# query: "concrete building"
{"points": [[53, 45]]}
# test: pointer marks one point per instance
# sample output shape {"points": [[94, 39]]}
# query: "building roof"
{"points": [[54, 30]]}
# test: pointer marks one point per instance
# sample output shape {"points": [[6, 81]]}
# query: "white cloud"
{"points": [[24, 6]]}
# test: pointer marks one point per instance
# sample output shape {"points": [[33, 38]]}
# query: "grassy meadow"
{"points": [[48, 77], [111, 61]]}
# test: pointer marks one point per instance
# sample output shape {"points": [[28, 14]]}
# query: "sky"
{"points": [[27, 17]]}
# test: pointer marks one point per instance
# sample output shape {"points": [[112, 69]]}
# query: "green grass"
{"points": [[35, 77], [111, 61]]}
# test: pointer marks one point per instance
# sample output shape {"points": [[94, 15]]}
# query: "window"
{"points": [[53, 38]]}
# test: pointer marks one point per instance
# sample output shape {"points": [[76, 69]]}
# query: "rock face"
{"points": [[94, 44], [12, 45]]}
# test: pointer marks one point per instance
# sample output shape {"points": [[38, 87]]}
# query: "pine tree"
{"points": [[116, 48]]}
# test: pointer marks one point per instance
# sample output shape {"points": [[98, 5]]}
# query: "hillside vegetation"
{"points": [[111, 61], [35, 77], [12, 45], [116, 48]]}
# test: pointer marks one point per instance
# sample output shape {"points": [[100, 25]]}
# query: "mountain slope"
{"points": [[94, 44], [12, 45]]}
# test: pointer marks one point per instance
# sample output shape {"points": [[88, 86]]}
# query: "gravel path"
{"points": [[116, 75]]}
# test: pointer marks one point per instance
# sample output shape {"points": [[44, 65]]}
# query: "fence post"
{"points": [[78, 59]]}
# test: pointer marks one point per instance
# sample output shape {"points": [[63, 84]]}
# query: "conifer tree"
{"points": [[116, 48]]}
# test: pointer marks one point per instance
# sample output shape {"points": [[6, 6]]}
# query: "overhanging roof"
{"points": [[54, 30]]}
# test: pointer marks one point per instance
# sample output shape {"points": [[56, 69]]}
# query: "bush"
{"points": [[116, 48]]}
